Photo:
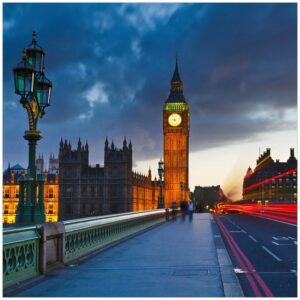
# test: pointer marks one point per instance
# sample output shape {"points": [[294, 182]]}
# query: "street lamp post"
{"points": [[181, 190], [35, 92], [160, 175]]}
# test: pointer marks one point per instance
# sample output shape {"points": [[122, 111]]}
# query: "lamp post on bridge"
{"points": [[35, 91], [160, 175], [182, 186]]}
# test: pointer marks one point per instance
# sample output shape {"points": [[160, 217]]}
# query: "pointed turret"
{"points": [[249, 172], [79, 144], [124, 143], [86, 146], [176, 92], [61, 147], [39, 163], [112, 145], [176, 76], [292, 157], [130, 145], [106, 143]]}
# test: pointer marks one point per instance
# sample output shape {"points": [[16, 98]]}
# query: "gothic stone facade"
{"points": [[86, 191], [271, 181]]}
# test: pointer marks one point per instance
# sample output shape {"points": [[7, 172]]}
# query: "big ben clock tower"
{"points": [[176, 127]]}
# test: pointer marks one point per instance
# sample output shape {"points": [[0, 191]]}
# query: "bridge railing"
{"points": [[82, 237], [20, 254], [30, 251]]}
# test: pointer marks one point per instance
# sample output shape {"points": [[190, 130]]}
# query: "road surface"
{"points": [[263, 252]]}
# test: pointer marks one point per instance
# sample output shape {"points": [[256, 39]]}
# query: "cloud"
{"points": [[86, 116], [135, 46], [12, 105], [228, 69], [148, 17], [103, 20], [96, 94], [112, 62], [82, 70], [8, 24]]}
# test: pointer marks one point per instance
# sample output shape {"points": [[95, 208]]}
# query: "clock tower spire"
{"points": [[176, 90], [176, 127]]}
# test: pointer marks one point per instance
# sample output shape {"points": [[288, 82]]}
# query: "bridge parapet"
{"points": [[20, 254], [30, 251], [86, 236]]}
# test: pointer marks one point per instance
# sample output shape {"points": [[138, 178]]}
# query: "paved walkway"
{"points": [[178, 258]]}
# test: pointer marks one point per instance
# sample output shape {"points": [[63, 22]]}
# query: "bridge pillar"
{"points": [[51, 245]]}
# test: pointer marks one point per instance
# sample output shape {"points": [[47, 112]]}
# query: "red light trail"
{"points": [[269, 179], [254, 279], [281, 212]]}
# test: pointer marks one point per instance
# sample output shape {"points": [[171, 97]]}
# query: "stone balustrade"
{"points": [[20, 254], [34, 250]]}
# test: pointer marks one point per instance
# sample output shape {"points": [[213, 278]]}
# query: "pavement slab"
{"points": [[175, 259]]}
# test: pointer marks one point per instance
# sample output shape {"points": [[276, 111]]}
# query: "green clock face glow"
{"points": [[174, 120]]}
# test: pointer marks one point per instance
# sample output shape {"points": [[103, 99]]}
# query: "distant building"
{"points": [[39, 164], [206, 197], [53, 164], [271, 181], [11, 191], [113, 188]]}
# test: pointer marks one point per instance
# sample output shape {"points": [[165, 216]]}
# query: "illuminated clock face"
{"points": [[174, 120]]}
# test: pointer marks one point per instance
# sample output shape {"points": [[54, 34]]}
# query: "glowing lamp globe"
{"points": [[24, 77]]}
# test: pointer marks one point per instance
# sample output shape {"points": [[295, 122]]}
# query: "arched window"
{"points": [[51, 193]]}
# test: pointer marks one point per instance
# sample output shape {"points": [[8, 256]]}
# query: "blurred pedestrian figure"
{"points": [[174, 209], [191, 210], [183, 208]]}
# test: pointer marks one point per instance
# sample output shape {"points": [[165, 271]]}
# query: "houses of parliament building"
{"points": [[78, 190], [74, 189], [114, 188]]}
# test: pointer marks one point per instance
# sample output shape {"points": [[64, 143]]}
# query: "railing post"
{"points": [[42, 250], [63, 248], [51, 245]]}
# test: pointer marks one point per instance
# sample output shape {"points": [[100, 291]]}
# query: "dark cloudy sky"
{"points": [[111, 64]]}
